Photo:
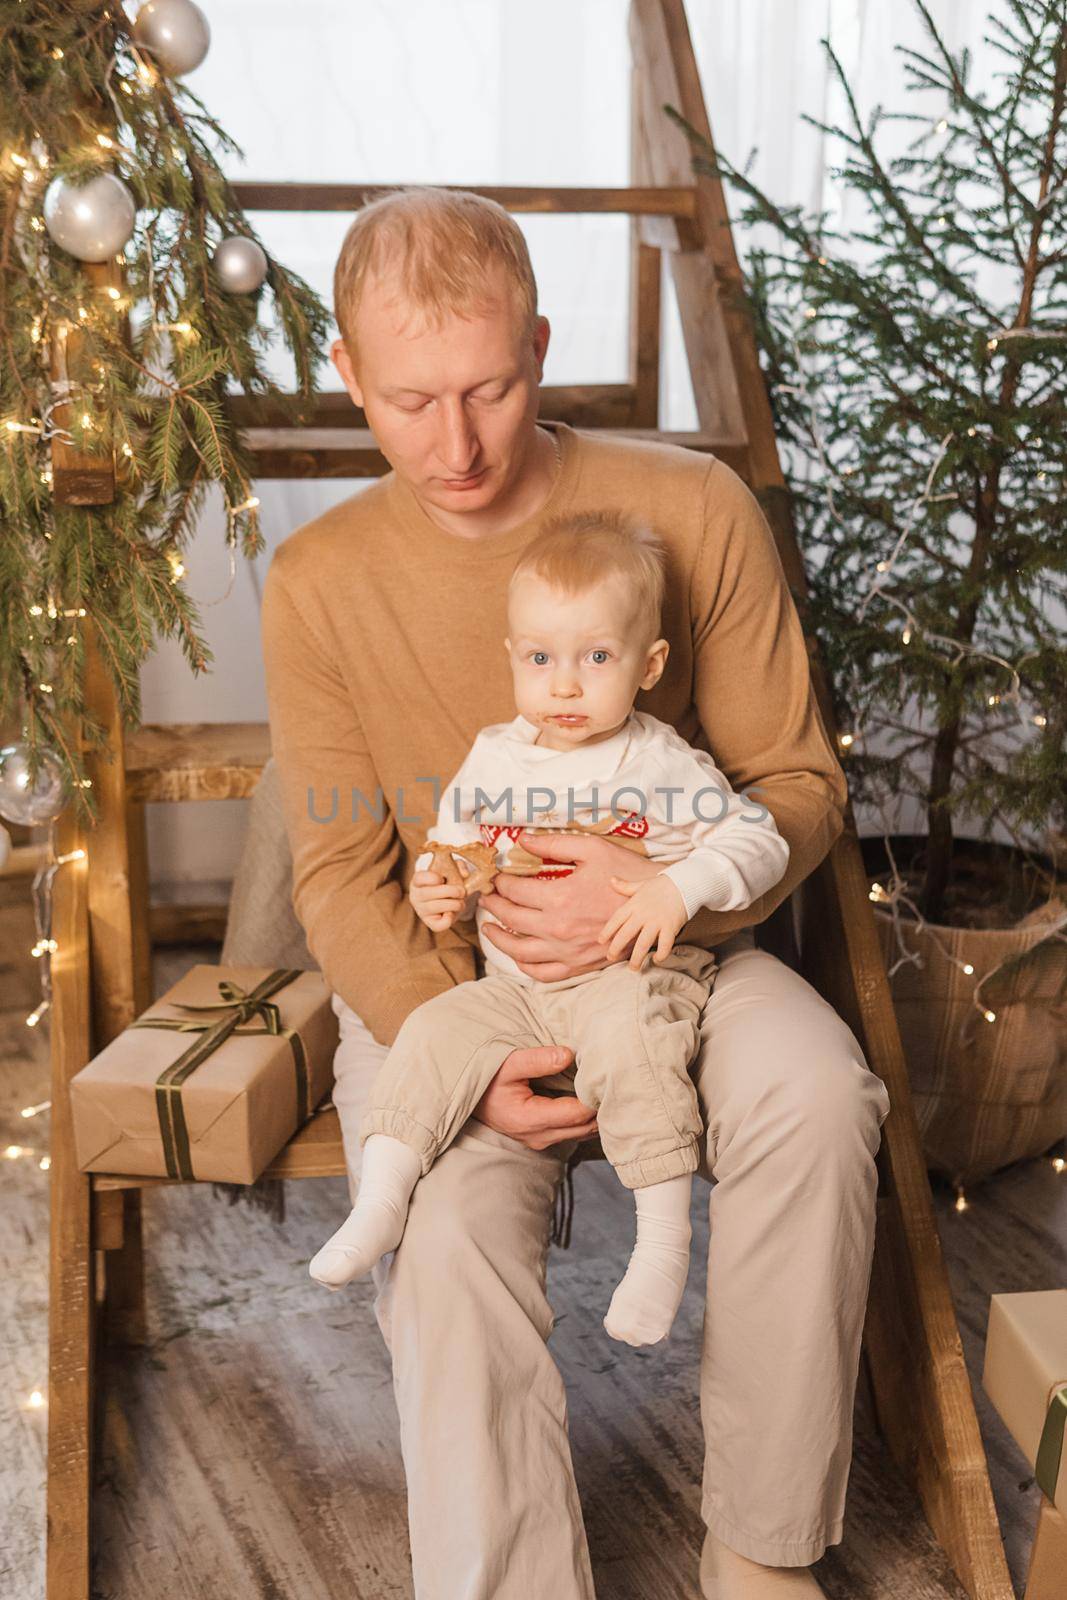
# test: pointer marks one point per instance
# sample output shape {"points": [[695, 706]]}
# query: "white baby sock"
{"points": [[375, 1225], [646, 1302]]}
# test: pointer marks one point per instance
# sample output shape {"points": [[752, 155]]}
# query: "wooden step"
{"points": [[315, 1152], [185, 923], [195, 760], [354, 453], [654, 200], [583, 405]]}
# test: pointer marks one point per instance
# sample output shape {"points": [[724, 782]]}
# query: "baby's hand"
{"points": [[436, 902], [655, 912]]}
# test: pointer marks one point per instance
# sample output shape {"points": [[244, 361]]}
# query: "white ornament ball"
{"points": [[93, 220], [23, 801], [175, 32], [240, 264]]}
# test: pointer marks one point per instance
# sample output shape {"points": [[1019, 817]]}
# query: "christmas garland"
{"points": [[115, 376]]}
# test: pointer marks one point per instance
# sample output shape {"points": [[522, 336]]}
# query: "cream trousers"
{"points": [[634, 1037], [793, 1119]]}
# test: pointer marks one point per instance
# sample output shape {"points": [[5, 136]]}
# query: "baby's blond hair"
{"points": [[436, 246], [577, 552]]}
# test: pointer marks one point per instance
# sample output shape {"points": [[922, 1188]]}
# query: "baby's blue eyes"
{"points": [[539, 657]]}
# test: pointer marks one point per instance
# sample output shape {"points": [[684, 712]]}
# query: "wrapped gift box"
{"points": [[1025, 1376], [212, 1080]]}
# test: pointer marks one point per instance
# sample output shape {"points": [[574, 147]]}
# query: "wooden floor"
{"points": [[252, 1450]]}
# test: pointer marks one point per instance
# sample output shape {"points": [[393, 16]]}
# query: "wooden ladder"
{"points": [[105, 927]]}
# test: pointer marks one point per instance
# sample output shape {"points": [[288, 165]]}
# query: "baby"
{"points": [[584, 609]]}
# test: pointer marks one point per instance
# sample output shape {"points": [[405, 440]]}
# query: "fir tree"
{"points": [[152, 352], [917, 367]]}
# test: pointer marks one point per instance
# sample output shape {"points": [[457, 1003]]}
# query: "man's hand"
{"points": [[556, 926], [653, 915], [436, 902], [510, 1106]]}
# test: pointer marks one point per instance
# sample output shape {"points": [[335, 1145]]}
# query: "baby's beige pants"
{"points": [[792, 1118], [634, 1036]]}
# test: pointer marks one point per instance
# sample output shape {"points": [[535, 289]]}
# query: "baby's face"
{"points": [[578, 660]]}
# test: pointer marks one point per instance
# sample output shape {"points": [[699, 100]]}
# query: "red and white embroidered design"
{"points": [[630, 826]]}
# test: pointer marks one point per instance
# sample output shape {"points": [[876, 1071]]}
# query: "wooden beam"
{"points": [[583, 405], [70, 1299], [918, 1373], [79, 477], [660, 201], [657, 54], [24, 861], [353, 453], [646, 316], [195, 760], [118, 963]]}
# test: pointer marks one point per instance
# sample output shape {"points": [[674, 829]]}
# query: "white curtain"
{"points": [[485, 92]]}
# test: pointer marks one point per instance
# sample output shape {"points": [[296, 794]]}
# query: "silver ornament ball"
{"points": [[176, 33], [241, 265], [23, 801], [91, 221]]}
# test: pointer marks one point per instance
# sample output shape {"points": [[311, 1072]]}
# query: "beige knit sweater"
{"points": [[383, 640]]}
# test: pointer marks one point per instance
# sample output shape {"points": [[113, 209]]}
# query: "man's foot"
{"points": [[645, 1304], [726, 1575], [375, 1225]]}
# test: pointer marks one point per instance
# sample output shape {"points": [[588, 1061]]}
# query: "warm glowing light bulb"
{"points": [[990, 1016], [968, 969]]}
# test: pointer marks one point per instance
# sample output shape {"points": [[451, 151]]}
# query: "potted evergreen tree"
{"points": [[917, 365]]}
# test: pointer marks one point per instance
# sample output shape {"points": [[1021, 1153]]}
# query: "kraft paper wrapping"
{"points": [[1025, 1376], [237, 1107]]}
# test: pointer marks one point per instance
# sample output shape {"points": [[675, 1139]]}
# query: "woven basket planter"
{"points": [[986, 1094]]}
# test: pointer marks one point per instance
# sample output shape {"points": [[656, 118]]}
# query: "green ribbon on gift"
{"points": [[240, 1006], [1050, 1450]]}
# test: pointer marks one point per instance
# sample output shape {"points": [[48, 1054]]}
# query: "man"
{"points": [[384, 623]]}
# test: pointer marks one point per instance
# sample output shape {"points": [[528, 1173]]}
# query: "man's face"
{"points": [[577, 661], [453, 407]]}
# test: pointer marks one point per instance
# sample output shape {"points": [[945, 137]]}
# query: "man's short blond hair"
{"points": [[574, 553], [435, 246]]}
